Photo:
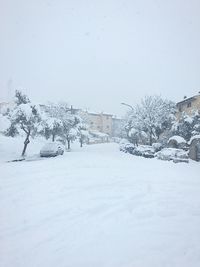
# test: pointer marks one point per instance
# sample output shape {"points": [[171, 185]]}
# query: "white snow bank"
{"points": [[11, 148], [99, 207]]}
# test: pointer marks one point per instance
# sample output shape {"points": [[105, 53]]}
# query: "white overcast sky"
{"points": [[97, 54]]}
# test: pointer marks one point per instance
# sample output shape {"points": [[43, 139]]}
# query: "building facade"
{"points": [[101, 122], [188, 106]]}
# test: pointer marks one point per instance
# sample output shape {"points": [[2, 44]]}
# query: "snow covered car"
{"points": [[144, 151], [51, 150], [174, 154]]}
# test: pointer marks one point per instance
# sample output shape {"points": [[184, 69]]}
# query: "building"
{"points": [[101, 122], [188, 106], [6, 107]]}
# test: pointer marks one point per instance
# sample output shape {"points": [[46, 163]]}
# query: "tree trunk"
{"points": [[26, 142], [68, 144], [150, 139], [81, 142], [53, 137]]}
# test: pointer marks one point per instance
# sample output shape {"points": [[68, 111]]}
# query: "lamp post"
{"points": [[127, 106]]}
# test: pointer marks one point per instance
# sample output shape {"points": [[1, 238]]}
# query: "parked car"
{"points": [[51, 150], [174, 154]]}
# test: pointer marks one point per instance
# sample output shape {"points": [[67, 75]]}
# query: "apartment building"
{"points": [[101, 122]]}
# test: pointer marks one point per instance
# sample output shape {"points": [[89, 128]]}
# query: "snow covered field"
{"points": [[99, 207]]}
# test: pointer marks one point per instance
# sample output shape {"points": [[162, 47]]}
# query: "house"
{"points": [[188, 106]]}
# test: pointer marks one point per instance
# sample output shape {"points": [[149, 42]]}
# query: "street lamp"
{"points": [[127, 105]]}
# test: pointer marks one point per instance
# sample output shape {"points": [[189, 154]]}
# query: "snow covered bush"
{"points": [[177, 141], [157, 146], [122, 144], [128, 148]]}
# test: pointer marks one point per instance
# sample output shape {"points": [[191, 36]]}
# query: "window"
{"points": [[189, 104], [180, 109]]}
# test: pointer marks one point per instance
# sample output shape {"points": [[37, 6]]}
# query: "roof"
{"points": [[99, 113], [117, 119], [188, 99]]}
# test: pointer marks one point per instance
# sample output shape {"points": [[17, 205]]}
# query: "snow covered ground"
{"points": [[98, 207]]}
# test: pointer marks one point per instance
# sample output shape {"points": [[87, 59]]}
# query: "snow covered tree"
{"points": [[70, 130], [135, 136], [26, 117], [11, 130], [83, 133], [61, 122], [52, 127], [21, 98], [150, 118]]}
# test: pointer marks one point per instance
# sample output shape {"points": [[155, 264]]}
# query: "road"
{"points": [[99, 207]]}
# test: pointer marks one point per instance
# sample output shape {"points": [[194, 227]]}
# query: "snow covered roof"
{"points": [[178, 139], [188, 99], [99, 113]]}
